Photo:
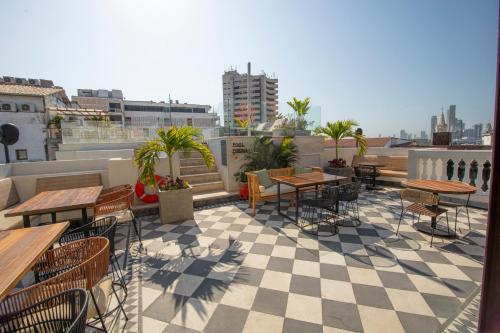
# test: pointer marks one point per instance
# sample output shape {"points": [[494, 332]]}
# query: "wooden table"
{"points": [[438, 187], [300, 181], [21, 248], [374, 167], [58, 201]]}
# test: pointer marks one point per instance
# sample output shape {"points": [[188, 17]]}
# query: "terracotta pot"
{"points": [[244, 191], [176, 205]]}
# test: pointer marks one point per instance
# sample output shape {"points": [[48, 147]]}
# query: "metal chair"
{"points": [[319, 207], [348, 196], [458, 207], [103, 227], [64, 312], [82, 264], [119, 204], [422, 203]]}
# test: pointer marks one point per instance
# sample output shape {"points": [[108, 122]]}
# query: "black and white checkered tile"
{"points": [[227, 271]]}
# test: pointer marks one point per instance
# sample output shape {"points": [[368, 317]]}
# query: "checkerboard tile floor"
{"points": [[227, 271]]}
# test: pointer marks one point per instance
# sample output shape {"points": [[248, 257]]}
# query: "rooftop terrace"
{"points": [[226, 271]]}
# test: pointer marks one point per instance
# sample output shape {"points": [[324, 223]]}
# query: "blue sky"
{"points": [[389, 64]]}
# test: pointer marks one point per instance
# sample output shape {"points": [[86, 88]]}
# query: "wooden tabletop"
{"points": [[21, 248], [60, 200], [307, 179], [439, 186]]}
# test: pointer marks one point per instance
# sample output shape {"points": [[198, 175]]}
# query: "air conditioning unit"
{"points": [[8, 107], [27, 107], [34, 82], [9, 79], [21, 80]]}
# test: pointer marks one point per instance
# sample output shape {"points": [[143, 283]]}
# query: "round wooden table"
{"points": [[438, 187]]}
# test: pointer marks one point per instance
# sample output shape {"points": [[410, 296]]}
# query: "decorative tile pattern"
{"points": [[227, 271]]}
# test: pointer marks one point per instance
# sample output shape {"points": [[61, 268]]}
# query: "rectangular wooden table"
{"points": [[301, 181], [51, 202], [21, 248]]}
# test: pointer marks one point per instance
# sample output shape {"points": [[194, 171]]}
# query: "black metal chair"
{"points": [[102, 227], [348, 198], [64, 312], [319, 208], [458, 208]]}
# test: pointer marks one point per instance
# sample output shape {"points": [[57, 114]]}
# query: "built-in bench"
{"points": [[394, 169], [8, 200], [55, 183], [257, 192]]}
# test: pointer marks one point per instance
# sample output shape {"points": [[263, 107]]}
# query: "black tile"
{"points": [[371, 296], [186, 239], [247, 237], [232, 257], [249, 275], [236, 227], [160, 280], [474, 273], [286, 241], [270, 301], [181, 229], [298, 326], [284, 265], [211, 290], [358, 261], [334, 272], [227, 220], [341, 315], [171, 328], [151, 234], [396, 280], [165, 307], [307, 254], [265, 249], [414, 323], [460, 288], [213, 233], [226, 319], [270, 231], [330, 246], [442, 306], [433, 257], [155, 262], [416, 267], [346, 238], [200, 267], [305, 285]]}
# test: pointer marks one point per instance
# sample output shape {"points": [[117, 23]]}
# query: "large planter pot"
{"points": [[176, 205], [344, 172], [244, 191]]}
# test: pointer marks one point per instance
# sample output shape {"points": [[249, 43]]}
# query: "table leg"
{"points": [[53, 217], [374, 175], [279, 198], [296, 205], [26, 221], [316, 192], [84, 216]]}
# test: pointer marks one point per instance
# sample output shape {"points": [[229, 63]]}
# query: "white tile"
{"points": [[283, 252], [448, 271], [337, 290], [308, 243], [375, 320], [307, 268], [256, 261], [194, 314], [151, 325], [258, 322], [305, 308], [276, 280], [409, 301], [266, 239], [364, 276], [239, 295], [331, 257], [430, 285]]}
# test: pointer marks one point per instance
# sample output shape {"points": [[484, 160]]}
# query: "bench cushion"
{"points": [[8, 193], [273, 190], [299, 170], [264, 179], [9, 223]]}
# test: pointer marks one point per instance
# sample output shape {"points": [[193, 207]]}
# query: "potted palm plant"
{"points": [[175, 195], [301, 108], [339, 130]]}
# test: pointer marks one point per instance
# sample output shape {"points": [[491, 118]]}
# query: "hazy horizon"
{"points": [[388, 64]]}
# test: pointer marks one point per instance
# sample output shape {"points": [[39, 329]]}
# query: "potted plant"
{"points": [[242, 179], [339, 130], [175, 196], [300, 108]]}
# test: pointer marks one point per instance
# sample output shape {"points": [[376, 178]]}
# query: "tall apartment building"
{"points": [[110, 101], [451, 117], [434, 122], [263, 97]]}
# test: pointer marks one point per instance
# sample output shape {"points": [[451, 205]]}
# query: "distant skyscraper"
{"points": [[263, 97], [434, 121], [403, 134], [423, 135], [451, 117], [478, 130]]}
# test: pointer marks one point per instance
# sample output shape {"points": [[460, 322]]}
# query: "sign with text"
{"points": [[239, 148]]}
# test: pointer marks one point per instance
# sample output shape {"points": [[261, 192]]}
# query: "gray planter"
{"points": [[344, 172], [176, 205], [291, 132]]}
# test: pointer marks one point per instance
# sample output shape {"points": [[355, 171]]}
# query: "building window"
{"points": [[6, 107], [189, 121], [21, 154]]}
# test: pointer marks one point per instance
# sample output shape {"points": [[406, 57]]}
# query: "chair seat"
{"points": [[273, 190], [121, 216], [450, 204], [421, 209]]}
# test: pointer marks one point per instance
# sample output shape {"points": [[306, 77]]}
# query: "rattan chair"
{"points": [[119, 204], [117, 188], [64, 312], [81, 264], [103, 227], [348, 198], [422, 203]]}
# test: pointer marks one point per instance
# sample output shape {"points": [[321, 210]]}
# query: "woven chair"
{"points": [[64, 312], [348, 196], [117, 188], [422, 203], [119, 204], [319, 208], [103, 227], [81, 264], [458, 208]]}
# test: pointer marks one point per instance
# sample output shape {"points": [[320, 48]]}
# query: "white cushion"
{"points": [[9, 223], [273, 190]]}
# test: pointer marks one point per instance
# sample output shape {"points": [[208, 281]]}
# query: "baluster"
{"points": [[433, 169], [461, 170], [473, 172], [424, 169], [486, 175], [450, 168]]}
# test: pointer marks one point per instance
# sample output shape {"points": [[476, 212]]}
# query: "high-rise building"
{"points": [[478, 130], [434, 121], [451, 117], [263, 97], [403, 134]]}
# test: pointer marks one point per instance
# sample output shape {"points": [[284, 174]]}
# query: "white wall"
{"points": [[328, 154]]}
